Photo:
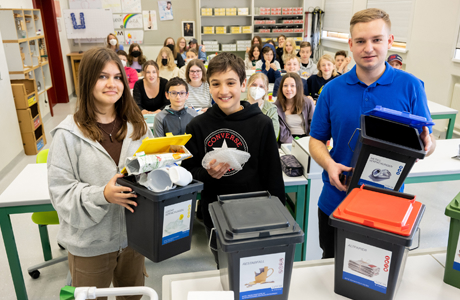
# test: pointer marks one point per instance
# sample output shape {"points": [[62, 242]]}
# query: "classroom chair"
{"points": [[43, 219]]}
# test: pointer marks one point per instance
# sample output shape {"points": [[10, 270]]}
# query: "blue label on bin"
{"points": [[364, 282], [261, 293], [174, 237]]}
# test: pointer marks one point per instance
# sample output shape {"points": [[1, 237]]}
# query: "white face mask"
{"points": [[123, 62], [113, 42], [256, 92]]}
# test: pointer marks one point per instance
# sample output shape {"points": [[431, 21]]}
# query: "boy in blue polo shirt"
{"points": [[371, 82]]}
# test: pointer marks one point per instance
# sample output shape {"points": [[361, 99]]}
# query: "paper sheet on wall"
{"points": [[118, 21], [150, 20], [114, 5], [132, 21], [134, 36], [88, 23], [85, 4], [165, 10], [120, 36], [131, 6]]}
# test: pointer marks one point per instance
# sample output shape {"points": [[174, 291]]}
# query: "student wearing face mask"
{"points": [[136, 58], [178, 60], [130, 72], [258, 91], [112, 43], [165, 61]]}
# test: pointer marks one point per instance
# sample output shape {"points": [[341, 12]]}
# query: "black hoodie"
{"points": [[247, 130]]}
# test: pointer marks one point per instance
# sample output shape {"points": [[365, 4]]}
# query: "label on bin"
{"points": [[366, 265], [262, 275], [381, 172], [457, 256], [176, 221]]}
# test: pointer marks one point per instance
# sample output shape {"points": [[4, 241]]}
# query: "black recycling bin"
{"points": [[162, 223], [256, 238], [388, 146]]}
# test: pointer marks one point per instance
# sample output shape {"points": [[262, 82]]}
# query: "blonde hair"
{"points": [[288, 57], [171, 65], [253, 78], [368, 15], [328, 58], [292, 42]]}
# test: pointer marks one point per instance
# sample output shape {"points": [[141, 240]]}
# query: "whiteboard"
{"points": [[98, 23]]}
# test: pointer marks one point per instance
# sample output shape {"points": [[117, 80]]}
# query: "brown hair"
{"points": [[278, 38], [270, 41], [224, 62], [122, 52], [368, 15], [108, 39], [305, 45], [253, 78], [198, 63], [340, 52], [171, 65], [193, 50], [91, 66], [151, 63], [177, 48], [251, 51], [174, 44], [256, 38], [328, 58], [299, 101], [176, 81], [141, 60]]}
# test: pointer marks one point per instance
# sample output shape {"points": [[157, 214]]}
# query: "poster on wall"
{"points": [[150, 19], [165, 10], [188, 29], [114, 5], [85, 4], [118, 21], [134, 36], [120, 37], [131, 6], [132, 21]]}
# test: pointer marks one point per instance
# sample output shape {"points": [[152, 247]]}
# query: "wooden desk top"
{"points": [[75, 54]]}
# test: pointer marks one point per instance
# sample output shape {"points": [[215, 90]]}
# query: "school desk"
{"points": [[439, 111]]}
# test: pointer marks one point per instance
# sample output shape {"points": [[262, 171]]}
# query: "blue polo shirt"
{"points": [[345, 99]]}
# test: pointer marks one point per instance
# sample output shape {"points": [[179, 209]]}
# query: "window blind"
{"points": [[337, 15]]}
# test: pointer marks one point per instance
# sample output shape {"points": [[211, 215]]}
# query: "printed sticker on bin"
{"points": [[176, 221], [457, 256], [366, 265], [262, 275], [381, 172]]}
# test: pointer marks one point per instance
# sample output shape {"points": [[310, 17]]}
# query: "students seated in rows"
{"points": [[326, 72], [295, 110], [279, 50], [112, 43], [130, 72], [292, 66], [136, 58], [254, 55], [289, 48], [228, 124], [268, 63], [181, 47], [178, 61], [307, 66], [87, 151], [174, 117], [149, 93], [165, 60], [199, 95], [193, 44], [258, 94], [341, 62], [190, 55]]}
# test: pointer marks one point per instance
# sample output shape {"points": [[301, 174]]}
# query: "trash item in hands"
{"points": [[234, 157], [158, 180], [145, 163]]}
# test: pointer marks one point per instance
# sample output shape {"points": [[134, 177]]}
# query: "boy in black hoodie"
{"points": [[234, 124]]}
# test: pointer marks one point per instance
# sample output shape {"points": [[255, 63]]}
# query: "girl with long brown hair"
{"points": [[88, 150], [136, 58], [149, 93]]}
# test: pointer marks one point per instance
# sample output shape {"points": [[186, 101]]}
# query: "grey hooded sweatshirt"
{"points": [[78, 171]]}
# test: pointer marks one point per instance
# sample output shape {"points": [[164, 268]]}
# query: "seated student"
{"points": [[326, 72], [256, 40], [395, 60], [149, 93], [193, 44], [289, 48], [112, 43], [191, 55], [254, 55], [199, 95], [341, 62], [270, 41], [257, 93], [165, 60], [130, 72], [295, 110], [292, 66], [173, 118], [181, 47], [307, 66], [135, 58], [268, 63], [279, 50], [178, 61], [224, 125]]}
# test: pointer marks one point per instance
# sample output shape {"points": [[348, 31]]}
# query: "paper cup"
{"points": [[158, 180], [180, 176]]}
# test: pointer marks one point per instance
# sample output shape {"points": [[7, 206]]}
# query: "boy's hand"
{"points": [[426, 139], [114, 194], [334, 170], [217, 170], [273, 66]]}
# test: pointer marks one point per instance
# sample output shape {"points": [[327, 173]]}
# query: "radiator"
{"points": [[455, 104]]}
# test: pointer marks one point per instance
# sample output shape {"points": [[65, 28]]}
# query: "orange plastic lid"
{"points": [[377, 210]]}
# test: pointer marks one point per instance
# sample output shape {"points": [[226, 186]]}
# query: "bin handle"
{"points": [[419, 230], [352, 139], [243, 195], [210, 237]]}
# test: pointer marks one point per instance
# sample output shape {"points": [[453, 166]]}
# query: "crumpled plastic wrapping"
{"points": [[234, 157], [145, 163]]}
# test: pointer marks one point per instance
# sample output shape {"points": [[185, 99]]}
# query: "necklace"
{"points": [[110, 134]]}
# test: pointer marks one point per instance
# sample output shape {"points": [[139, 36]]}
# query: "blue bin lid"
{"points": [[413, 121]]}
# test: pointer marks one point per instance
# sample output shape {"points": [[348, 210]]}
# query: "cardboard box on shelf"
{"points": [[24, 93], [29, 119], [235, 29], [276, 13], [219, 11], [206, 11], [298, 30], [33, 142], [243, 11], [258, 22], [264, 30], [270, 22], [298, 39], [210, 43], [230, 11], [288, 30], [298, 21], [247, 29], [221, 29], [208, 29], [278, 30], [288, 21]]}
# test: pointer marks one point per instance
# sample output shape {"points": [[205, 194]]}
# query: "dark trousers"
{"points": [[326, 235]]}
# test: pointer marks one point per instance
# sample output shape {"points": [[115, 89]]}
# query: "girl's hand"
{"points": [[114, 194], [273, 66], [146, 112]]}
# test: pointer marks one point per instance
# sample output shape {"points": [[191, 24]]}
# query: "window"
{"points": [[337, 15]]}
